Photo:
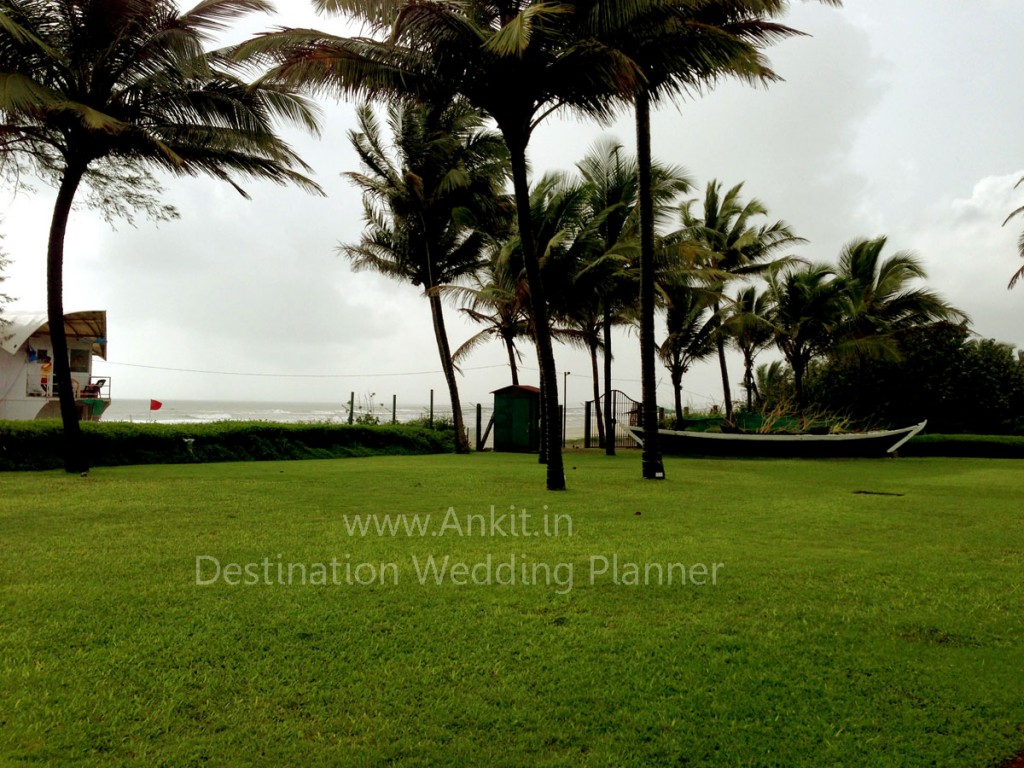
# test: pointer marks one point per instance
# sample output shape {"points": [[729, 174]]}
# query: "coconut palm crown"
{"points": [[727, 230], [806, 312], [880, 299], [431, 197]]}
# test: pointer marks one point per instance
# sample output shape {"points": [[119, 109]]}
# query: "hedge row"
{"points": [[966, 446], [35, 445]]}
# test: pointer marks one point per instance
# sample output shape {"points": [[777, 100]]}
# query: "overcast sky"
{"points": [[895, 118]]}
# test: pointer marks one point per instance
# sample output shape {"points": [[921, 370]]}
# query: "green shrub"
{"points": [[33, 445], [442, 422], [960, 384]]}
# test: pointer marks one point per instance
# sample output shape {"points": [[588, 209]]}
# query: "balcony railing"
{"points": [[97, 388]]}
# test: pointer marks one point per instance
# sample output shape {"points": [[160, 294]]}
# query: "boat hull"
{"points": [[850, 445]]}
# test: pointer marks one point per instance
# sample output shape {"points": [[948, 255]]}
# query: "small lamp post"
{"points": [[565, 403]]}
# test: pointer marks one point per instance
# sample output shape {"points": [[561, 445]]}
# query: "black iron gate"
{"points": [[626, 412]]}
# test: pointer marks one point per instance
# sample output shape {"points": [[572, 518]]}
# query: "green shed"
{"points": [[517, 419]]}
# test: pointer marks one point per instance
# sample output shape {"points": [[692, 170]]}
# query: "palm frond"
{"points": [[513, 39], [379, 14], [1020, 242], [218, 15], [474, 341]]}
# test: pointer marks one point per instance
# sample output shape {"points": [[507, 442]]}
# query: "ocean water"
{"points": [[204, 411], [207, 411]]}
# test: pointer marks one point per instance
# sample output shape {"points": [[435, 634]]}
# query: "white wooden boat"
{"points": [[875, 443]]}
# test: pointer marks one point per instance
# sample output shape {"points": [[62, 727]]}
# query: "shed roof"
{"points": [[517, 388]]}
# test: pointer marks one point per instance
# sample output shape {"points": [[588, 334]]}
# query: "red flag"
{"points": [[155, 405]]}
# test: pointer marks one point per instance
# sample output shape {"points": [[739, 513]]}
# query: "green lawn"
{"points": [[843, 628]]}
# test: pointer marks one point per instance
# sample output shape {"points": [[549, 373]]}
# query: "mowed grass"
{"points": [[843, 629]]}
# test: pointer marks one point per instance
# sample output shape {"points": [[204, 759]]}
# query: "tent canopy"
{"points": [[90, 325]]}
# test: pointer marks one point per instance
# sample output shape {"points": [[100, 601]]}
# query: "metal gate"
{"points": [[626, 412]]}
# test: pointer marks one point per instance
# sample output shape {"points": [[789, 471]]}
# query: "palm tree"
{"points": [[564, 238], [496, 298], [516, 61], [574, 266], [613, 185], [426, 200], [806, 313], [691, 324], [611, 181], [519, 61], [879, 302], [680, 47], [1020, 243], [774, 382], [100, 91], [746, 324], [733, 244]]}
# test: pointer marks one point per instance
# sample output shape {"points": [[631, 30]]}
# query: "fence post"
{"points": [[479, 426], [431, 422], [586, 423], [352, 408], [394, 409]]}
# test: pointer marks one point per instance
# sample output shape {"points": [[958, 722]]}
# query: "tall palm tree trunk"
{"points": [[748, 379], [726, 394], [798, 367], [596, 376], [653, 466], [552, 427], [720, 344], [677, 388], [609, 405], [443, 348], [75, 459], [542, 453], [512, 362]]}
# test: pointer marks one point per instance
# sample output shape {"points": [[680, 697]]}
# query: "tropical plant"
{"points": [[806, 311], [746, 324], [516, 61], [1020, 243], [774, 382], [98, 92], [583, 310], [496, 298], [991, 387], [575, 270], [879, 301], [957, 383], [680, 46], [725, 232], [611, 180], [428, 199], [691, 324], [519, 62], [564, 238], [612, 271]]}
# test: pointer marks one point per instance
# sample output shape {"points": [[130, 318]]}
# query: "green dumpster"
{"points": [[517, 419]]}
